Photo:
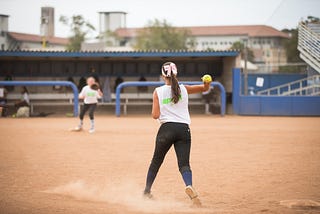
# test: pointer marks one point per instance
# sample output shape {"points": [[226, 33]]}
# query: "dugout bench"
{"points": [[66, 99]]}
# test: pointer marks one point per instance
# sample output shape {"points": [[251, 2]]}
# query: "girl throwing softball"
{"points": [[90, 95], [170, 107]]}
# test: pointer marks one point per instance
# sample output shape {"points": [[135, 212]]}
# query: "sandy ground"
{"points": [[240, 165]]}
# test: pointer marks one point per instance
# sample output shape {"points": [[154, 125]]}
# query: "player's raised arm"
{"points": [[193, 89], [100, 93]]}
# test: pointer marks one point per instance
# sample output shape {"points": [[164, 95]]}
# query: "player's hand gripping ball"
{"points": [[206, 78], [95, 86]]}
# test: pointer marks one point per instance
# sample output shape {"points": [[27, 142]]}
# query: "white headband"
{"points": [[168, 69]]}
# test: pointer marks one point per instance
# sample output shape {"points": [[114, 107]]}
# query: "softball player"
{"points": [[90, 94], [170, 107]]}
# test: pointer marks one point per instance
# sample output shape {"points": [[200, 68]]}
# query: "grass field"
{"points": [[240, 165]]}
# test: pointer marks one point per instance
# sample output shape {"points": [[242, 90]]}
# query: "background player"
{"points": [[90, 94], [170, 107]]}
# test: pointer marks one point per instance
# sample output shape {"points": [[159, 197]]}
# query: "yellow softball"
{"points": [[206, 78]]}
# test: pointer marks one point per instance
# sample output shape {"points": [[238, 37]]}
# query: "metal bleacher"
{"points": [[309, 47], [309, 44]]}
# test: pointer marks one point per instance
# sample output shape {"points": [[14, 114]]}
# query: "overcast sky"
{"points": [[25, 14]]}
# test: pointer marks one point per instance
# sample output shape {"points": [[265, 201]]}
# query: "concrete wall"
{"points": [[228, 64]]}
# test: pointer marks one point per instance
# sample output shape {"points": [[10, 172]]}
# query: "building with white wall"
{"points": [[24, 41], [265, 41]]}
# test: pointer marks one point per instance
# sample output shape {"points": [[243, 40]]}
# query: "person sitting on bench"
{"points": [[25, 101]]}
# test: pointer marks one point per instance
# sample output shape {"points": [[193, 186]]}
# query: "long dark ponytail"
{"points": [[175, 89], [169, 71]]}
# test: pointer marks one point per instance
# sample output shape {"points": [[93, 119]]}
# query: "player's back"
{"points": [[170, 111]]}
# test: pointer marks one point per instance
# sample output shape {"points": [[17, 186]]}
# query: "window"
{"points": [[254, 42], [215, 43], [2, 46], [225, 43], [230, 43], [123, 43], [275, 42], [221, 43]]}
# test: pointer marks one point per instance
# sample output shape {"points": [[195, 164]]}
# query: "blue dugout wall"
{"points": [[272, 105]]}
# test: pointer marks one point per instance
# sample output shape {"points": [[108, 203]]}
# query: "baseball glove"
{"points": [[95, 86]]}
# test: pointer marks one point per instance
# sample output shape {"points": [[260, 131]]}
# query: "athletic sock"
{"points": [[92, 124], [150, 179], [81, 123], [187, 178], [207, 107]]}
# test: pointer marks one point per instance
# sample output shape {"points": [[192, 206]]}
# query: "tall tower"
{"points": [[47, 21], [3, 31], [110, 21]]}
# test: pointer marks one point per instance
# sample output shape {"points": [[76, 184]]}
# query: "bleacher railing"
{"points": [[309, 86], [309, 43]]}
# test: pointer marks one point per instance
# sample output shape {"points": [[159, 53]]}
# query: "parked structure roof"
{"points": [[37, 38], [249, 30]]}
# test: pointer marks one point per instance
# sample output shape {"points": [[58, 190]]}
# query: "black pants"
{"points": [[86, 107], [177, 134], [22, 103]]}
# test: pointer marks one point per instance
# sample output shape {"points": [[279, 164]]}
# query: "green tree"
{"points": [[313, 19], [79, 28], [291, 45], [160, 35], [240, 46]]}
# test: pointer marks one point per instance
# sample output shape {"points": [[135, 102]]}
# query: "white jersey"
{"points": [[90, 96], [25, 97], [170, 112]]}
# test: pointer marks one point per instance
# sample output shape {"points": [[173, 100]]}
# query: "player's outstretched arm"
{"points": [[155, 106], [193, 89]]}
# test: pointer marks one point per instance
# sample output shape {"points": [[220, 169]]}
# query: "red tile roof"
{"points": [[37, 38], [250, 30]]}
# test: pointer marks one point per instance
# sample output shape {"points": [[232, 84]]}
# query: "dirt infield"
{"points": [[240, 165]]}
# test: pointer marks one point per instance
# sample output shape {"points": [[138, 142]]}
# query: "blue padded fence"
{"points": [[132, 84], [48, 83]]}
